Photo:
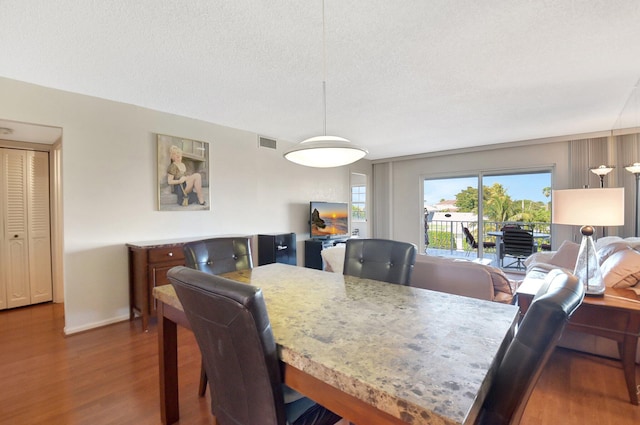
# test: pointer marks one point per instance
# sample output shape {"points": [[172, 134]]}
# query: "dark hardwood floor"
{"points": [[110, 376]]}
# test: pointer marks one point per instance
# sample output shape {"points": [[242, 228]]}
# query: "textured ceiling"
{"points": [[403, 77]]}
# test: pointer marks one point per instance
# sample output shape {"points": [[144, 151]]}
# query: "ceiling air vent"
{"points": [[265, 142]]}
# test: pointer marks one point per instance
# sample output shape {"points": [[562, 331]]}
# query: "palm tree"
{"points": [[499, 207], [546, 191]]}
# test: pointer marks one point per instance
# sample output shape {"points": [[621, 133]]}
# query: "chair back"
{"points": [[380, 259], [232, 328], [469, 237], [517, 242], [525, 358], [219, 255]]}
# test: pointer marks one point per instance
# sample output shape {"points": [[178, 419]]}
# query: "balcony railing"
{"points": [[448, 234]]}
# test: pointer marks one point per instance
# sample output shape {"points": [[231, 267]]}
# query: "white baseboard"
{"points": [[73, 330]]}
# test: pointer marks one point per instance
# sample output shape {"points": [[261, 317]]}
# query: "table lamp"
{"points": [[588, 208]]}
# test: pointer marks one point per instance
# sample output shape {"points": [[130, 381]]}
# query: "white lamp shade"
{"points": [[593, 207], [633, 168], [602, 170], [325, 152]]}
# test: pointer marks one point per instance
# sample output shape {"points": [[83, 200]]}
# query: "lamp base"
{"points": [[593, 292], [587, 265]]}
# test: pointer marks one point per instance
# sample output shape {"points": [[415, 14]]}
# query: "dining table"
{"points": [[372, 352]]}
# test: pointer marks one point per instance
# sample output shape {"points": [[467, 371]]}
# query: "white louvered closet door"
{"points": [[25, 249], [39, 227], [15, 261]]}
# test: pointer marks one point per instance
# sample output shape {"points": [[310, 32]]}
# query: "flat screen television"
{"points": [[328, 219]]}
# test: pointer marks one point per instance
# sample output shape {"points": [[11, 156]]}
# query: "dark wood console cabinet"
{"points": [[312, 249], [148, 266], [277, 248]]}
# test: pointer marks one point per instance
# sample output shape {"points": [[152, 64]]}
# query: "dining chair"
{"points": [[518, 244], [530, 349], [230, 322], [473, 244], [379, 259], [217, 256]]}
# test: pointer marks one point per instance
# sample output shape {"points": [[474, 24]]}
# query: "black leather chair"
{"points": [[217, 256], [525, 358], [518, 244], [380, 259], [232, 328], [471, 241]]}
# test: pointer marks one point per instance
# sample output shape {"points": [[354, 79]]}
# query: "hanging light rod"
{"points": [[325, 151]]}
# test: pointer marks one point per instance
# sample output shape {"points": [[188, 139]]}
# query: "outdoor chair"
{"points": [[473, 244], [517, 244]]}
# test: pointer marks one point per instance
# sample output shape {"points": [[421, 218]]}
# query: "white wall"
{"points": [[400, 182], [109, 189]]}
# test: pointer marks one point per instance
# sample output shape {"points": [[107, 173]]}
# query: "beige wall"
{"points": [[109, 189], [398, 183]]}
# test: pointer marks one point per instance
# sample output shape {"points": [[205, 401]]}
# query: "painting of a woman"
{"points": [[183, 174], [185, 186]]}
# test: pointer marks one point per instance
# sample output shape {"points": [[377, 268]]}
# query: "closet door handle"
{"points": [[15, 236]]}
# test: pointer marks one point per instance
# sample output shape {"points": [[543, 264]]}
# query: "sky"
{"points": [[518, 186]]}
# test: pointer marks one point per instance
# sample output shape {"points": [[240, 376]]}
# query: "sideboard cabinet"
{"points": [[149, 263], [277, 248]]}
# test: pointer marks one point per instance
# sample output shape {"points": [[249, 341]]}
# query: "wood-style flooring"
{"points": [[110, 376]]}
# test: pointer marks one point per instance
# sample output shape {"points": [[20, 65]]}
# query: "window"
{"points": [[358, 203], [453, 204]]}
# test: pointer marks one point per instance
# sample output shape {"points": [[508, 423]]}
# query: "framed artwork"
{"points": [[183, 174]]}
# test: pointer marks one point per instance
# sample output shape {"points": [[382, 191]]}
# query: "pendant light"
{"points": [[325, 151]]}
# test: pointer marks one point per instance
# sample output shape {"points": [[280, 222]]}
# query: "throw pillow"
{"points": [[634, 242], [608, 250], [500, 281], [606, 240], [566, 255], [622, 269]]}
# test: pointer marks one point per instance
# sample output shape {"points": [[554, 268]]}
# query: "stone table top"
{"points": [[419, 355]]}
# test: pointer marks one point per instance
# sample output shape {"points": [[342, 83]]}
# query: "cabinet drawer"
{"points": [[596, 317], [159, 274], [159, 255]]}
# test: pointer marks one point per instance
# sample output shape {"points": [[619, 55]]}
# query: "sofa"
{"points": [[454, 276], [462, 277], [619, 261]]}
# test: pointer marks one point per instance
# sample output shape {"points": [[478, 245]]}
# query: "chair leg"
{"points": [[202, 388]]}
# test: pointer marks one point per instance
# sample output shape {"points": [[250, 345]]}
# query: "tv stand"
{"points": [[312, 249]]}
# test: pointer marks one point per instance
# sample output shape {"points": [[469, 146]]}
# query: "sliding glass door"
{"points": [[459, 220], [450, 205], [518, 198]]}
